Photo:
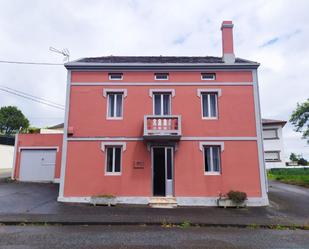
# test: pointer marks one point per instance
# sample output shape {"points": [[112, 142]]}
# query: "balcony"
{"points": [[162, 127]]}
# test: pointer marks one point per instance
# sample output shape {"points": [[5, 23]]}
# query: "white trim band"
{"points": [[122, 144], [213, 83]]}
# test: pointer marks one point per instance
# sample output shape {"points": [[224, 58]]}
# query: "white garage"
{"points": [[37, 165]]}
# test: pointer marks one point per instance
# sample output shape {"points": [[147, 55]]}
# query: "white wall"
{"points": [[51, 131], [275, 145], [6, 156]]}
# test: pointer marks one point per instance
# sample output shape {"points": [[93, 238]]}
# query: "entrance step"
{"points": [[163, 202]]}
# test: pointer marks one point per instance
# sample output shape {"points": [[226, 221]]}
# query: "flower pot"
{"points": [[103, 201], [226, 202]]}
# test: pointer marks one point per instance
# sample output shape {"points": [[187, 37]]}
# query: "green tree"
{"points": [[293, 157], [300, 119], [11, 119]]}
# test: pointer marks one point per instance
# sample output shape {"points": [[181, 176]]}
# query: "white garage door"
{"points": [[37, 165]]}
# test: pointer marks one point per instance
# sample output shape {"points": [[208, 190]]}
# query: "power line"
{"points": [[32, 63], [33, 98]]}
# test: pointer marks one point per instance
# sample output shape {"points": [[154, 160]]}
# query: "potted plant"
{"points": [[232, 199], [105, 200]]}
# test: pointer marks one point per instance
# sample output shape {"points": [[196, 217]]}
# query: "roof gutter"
{"points": [[158, 66]]}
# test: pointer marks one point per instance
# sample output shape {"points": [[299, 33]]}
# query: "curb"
{"points": [[161, 224]]}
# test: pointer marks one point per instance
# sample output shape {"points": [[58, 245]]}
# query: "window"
{"points": [[270, 133], [115, 76], [115, 105], [113, 160], [161, 76], [162, 103], [212, 159], [209, 105], [208, 76], [272, 156]]}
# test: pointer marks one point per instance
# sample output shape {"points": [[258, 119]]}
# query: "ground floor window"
{"points": [[212, 159], [272, 156], [113, 160]]}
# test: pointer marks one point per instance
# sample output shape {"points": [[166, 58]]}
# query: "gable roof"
{"points": [[273, 122], [158, 61]]}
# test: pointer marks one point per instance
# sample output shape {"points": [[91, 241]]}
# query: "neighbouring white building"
{"points": [[6, 152], [273, 143]]}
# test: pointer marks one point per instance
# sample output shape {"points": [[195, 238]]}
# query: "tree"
{"points": [[293, 157], [11, 119], [300, 119]]}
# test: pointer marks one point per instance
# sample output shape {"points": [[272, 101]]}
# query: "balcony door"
{"points": [[162, 166], [162, 104]]}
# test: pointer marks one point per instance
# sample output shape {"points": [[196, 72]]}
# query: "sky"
{"points": [[273, 33]]}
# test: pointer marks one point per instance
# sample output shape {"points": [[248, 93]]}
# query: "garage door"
{"points": [[37, 165]]}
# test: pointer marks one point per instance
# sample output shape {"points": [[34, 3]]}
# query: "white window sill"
{"points": [[210, 118], [212, 173], [110, 118], [112, 174]]}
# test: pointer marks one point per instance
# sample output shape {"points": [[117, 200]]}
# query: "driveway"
{"points": [[37, 203]]}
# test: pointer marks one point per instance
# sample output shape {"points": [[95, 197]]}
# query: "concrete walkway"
{"points": [[32, 202]]}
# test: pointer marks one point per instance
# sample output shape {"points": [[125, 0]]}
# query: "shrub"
{"points": [[237, 196]]}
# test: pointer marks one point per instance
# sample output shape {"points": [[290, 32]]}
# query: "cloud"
{"points": [[270, 32]]}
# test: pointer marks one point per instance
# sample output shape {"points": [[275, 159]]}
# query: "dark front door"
{"points": [[159, 171]]}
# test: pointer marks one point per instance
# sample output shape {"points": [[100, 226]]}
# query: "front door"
{"points": [[162, 165]]}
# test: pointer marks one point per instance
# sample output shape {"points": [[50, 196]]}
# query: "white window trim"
{"points": [[124, 93], [104, 146], [164, 90], [214, 78], [109, 76], [155, 76], [208, 91], [152, 92], [202, 146], [271, 138], [273, 151]]}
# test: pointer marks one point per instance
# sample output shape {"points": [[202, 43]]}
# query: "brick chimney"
{"points": [[227, 42]]}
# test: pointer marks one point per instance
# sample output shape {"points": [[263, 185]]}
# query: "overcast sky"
{"points": [[274, 33]]}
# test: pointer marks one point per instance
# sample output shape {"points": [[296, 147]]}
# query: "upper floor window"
{"points": [[162, 103], [161, 76], [209, 105], [212, 159], [115, 105], [270, 133], [115, 76], [208, 76]]}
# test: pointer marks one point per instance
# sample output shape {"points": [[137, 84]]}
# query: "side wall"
{"points": [[6, 156], [37, 141]]}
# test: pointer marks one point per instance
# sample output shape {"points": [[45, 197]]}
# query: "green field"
{"points": [[292, 176]]}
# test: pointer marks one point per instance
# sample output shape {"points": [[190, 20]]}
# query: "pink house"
{"points": [[181, 128]]}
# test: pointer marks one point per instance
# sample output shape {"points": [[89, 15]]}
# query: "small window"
{"points": [[115, 105], [212, 159], [270, 134], [161, 76], [208, 76], [115, 76], [209, 105], [272, 156], [113, 160]]}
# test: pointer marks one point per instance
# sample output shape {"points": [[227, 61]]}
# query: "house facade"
{"points": [[187, 128], [273, 143]]}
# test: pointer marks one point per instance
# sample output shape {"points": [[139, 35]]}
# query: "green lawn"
{"points": [[292, 176]]}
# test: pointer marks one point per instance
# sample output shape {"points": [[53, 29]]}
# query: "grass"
{"points": [[291, 176]]}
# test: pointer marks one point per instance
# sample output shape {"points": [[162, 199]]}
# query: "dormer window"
{"points": [[161, 76], [208, 76], [115, 76]]}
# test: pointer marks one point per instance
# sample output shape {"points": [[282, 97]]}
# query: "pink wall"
{"points": [[236, 111], [85, 172], [39, 140]]}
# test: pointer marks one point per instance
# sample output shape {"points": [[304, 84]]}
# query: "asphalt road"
{"points": [[20, 237]]}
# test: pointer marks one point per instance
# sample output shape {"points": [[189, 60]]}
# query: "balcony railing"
{"points": [[167, 127]]}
